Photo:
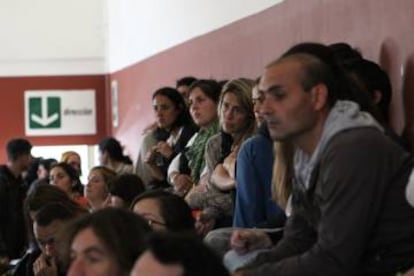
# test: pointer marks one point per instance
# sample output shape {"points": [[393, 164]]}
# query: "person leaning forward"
{"points": [[349, 211]]}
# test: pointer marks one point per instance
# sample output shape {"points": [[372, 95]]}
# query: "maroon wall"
{"points": [[381, 29], [12, 108]]}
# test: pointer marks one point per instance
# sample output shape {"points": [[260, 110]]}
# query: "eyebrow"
{"points": [[198, 97], [161, 104], [274, 88], [95, 249], [95, 177], [229, 103], [48, 239], [59, 174]]}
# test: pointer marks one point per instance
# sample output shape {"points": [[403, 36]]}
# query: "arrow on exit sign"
{"points": [[44, 112]]}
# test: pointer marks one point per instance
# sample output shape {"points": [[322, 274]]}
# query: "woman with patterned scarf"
{"points": [[213, 197], [187, 167]]}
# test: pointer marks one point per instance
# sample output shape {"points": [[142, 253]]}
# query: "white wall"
{"points": [[88, 155], [52, 37], [140, 29], [78, 37]]}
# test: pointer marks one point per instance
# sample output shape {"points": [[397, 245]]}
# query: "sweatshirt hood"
{"points": [[343, 116]]}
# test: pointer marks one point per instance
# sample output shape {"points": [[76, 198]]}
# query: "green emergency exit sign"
{"points": [[60, 112]]}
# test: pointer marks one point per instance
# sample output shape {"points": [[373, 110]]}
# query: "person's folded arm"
{"points": [[222, 179]]}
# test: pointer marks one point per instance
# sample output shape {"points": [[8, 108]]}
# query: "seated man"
{"points": [[349, 211], [47, 222]]}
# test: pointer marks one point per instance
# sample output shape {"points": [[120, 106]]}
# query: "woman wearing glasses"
{"points": [[164, 211]]}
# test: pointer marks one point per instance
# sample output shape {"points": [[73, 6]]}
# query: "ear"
{"points": [[377, 97], [319, 96]]}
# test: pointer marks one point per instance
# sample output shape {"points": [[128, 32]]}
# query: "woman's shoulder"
{"points": [[125, 169], [257, 140], [148, 138], [215, 139], [257, 143]]}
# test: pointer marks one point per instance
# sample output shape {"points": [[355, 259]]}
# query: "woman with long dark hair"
{"points": [[111, 155], [174, 128]]}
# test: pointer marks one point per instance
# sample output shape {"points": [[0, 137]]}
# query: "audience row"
{"points": [[296, 172]]}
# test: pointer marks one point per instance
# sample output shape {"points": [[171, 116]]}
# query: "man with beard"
{"points": [[349, 213]]}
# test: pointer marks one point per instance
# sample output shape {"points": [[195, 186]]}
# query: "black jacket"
{"points": [[12, 227]]}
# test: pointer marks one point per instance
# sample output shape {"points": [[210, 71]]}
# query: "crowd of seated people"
{"points": [[296, 173]]}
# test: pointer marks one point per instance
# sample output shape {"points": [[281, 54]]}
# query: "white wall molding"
{"points": [[52, 67]]}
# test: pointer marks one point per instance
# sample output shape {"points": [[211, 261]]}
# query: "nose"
{"points": [[89, 184], [257, 107], [158, 112], [194, 106], [49, 250], [53, 181], [76, 268], [228, 114], [265, 107]]}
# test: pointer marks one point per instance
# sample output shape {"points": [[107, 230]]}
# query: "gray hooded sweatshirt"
{"points": [[350, 215]]}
